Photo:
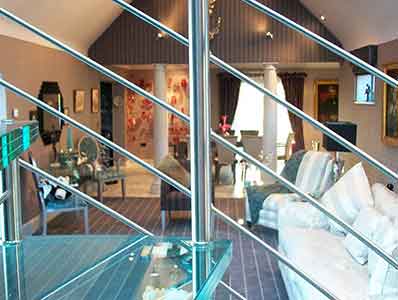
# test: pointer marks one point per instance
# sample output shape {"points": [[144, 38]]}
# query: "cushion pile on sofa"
{"points": [[325, 250]]}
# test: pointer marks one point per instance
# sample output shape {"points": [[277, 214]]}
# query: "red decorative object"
{"points": [[173, 100], [224, 126], [184, 83]]}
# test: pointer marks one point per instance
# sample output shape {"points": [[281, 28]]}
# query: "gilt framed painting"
{"points": [[390, 109], [326, 100]]}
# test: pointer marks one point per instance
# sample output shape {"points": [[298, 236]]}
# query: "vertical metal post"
{"points": [[12, 207], [14, 274], [201, 182], [200, 120]]}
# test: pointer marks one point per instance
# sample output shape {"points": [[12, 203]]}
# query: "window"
{"points": [[250, 109], [365, 89]]}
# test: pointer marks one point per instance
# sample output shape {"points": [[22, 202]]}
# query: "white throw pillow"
{"points": [[383, 277], [348, 196], [386, 201], [366, 223]]}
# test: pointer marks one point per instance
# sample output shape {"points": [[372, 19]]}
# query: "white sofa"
{"points": [[314, 176], [305, 239]]}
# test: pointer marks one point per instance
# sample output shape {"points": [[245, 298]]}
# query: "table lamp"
{"points": [[346, 130]]}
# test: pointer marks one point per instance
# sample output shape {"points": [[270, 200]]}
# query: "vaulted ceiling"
{"points": [[358, 23], [77, 22], [355, 23]]}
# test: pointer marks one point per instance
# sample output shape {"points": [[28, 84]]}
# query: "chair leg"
{"points": [[44, 223], [99, 191], [86, 220], [123, 183], [163, 218]]}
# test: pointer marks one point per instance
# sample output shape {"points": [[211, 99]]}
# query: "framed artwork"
{"points": [[326, 100], [78, 101], [94, 100], [390, 109]]}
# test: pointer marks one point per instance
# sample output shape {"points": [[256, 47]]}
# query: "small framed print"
{"points": [[94, 100], [78, 102]]}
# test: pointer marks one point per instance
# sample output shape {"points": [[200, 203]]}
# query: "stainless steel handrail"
{"points": [[276, 254], [322, 41], [4, 197], [95, 135], [88, 61], [85, 197], [293, 109], [383, 254]]}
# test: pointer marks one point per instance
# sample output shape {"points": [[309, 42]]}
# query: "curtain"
{"points": [[294, 90], [229, 95]]}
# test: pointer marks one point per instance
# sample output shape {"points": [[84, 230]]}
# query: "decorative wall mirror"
{"points": [[50, 126]]}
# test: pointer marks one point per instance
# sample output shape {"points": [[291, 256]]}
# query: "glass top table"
{"points": [[109, 267]]}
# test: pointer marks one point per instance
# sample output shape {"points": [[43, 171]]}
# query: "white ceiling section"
{"points": [[78, 23], [358, 23]]}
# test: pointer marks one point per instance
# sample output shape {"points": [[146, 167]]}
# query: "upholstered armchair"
{"points": [[173, 200], [314, 176]]}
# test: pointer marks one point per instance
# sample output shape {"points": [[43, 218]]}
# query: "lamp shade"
{"points": [[346, 130]]}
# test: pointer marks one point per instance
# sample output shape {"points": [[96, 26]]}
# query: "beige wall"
{"points": [[26, 65], [369, 118]]}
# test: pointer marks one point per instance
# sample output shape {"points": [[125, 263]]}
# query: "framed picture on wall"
{"points": [[94, 100], [78, 101], [326, 100], [390, 109]]}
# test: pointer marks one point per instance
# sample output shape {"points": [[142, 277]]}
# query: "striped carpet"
{"points": [[253, 272]]}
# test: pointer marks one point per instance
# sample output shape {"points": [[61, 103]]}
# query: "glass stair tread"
{"points": [[108, 267], [15, 139]]}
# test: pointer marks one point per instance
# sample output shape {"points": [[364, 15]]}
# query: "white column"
{"points": [[270, 120], [160, 122]]}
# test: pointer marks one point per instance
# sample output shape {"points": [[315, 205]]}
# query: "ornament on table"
{"points": [[223, 125], [173, 100], [148, 87], [184, 84]]}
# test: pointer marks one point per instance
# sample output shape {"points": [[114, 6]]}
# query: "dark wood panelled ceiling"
{"points": [[241, 40]]}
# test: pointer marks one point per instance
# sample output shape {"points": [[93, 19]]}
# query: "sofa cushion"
{"points": [[302, 214], [322, 255], [312, 171], [386, 201], [348, 196], [383, 277], [366, 223], [277, 200]]}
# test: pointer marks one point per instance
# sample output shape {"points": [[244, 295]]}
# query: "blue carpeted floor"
{"points": [[253, 272]]}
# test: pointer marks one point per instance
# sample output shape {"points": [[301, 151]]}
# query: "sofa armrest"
{"points": [[302, 214]]}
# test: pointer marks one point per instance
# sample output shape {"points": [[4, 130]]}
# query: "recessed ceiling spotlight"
{"points": [[323, 18], [269, 35], [161, 35]]}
